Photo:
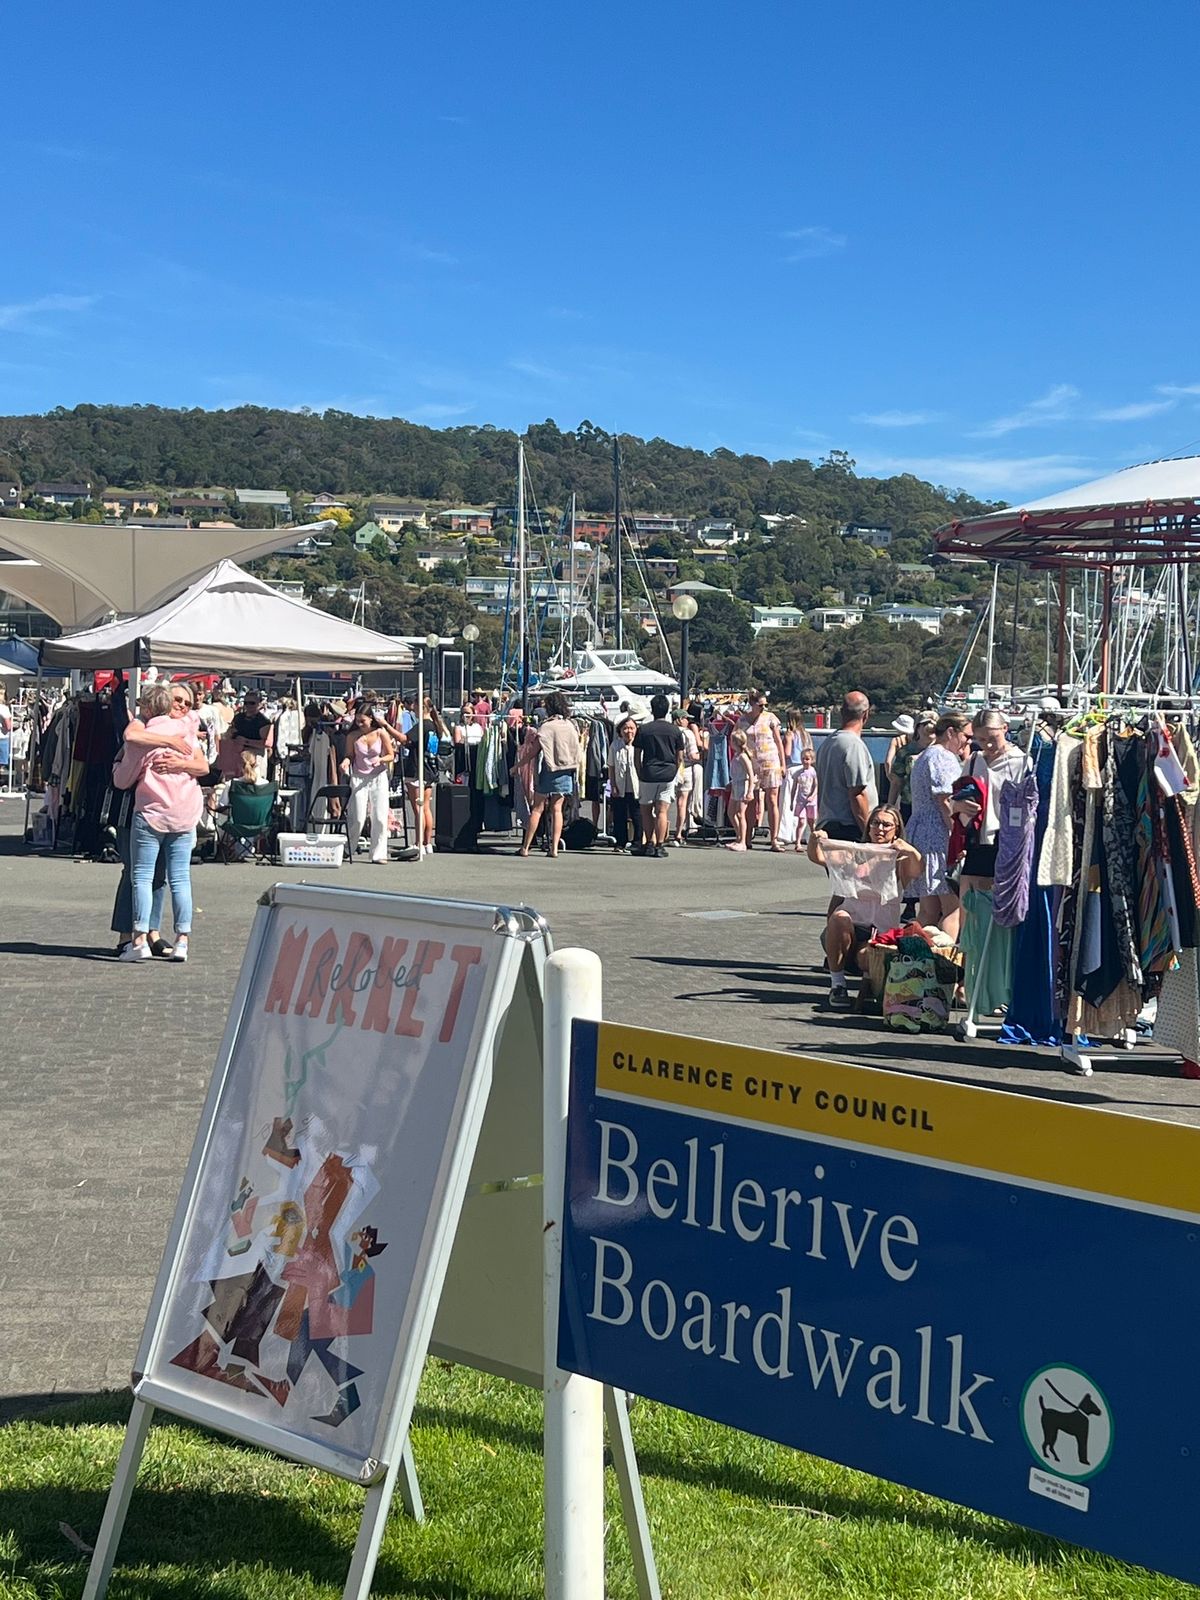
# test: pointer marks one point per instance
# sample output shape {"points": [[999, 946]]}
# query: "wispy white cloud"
{"points": [[538, 370], [1132, 413], [897, 419], [565, 314], [1007, 476], [1065, 403], [1178, 391], [23, 316], [808, 244], [436, 411], [426, 252], [1059, 404]]}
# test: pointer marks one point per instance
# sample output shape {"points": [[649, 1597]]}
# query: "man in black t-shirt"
{"points": [[658, 755]]}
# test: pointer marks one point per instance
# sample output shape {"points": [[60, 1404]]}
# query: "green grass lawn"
{"points": [[731, 1516]]}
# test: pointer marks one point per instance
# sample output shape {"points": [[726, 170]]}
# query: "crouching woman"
{"points": [[854, 920]]}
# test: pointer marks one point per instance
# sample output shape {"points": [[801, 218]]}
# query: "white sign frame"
{"points": [[525, 937]]}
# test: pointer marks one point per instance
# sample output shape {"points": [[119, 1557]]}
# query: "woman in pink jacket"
{"points": [[166, 809]]}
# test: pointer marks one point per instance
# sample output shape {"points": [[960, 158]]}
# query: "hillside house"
{"points": [[775, 617], [275, 500], [431, 555], [392, 515], [196, 506], [877, 538], [130, 502], [826, 619], [928, 618], [62, 494], [718, 534], [366, 536], [466, 519], [10, 497]]}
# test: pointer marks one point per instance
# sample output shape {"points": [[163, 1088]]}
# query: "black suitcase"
{"points": [[452, 825]]}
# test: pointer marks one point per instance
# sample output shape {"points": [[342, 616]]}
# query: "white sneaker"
{"points": [[180, 952], [135, 952]]}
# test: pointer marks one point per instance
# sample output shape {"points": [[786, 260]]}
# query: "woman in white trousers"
{"points": [[367, 761]]}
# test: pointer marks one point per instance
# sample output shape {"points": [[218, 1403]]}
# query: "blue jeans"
{"points": [[122, 917], [144, 847]]}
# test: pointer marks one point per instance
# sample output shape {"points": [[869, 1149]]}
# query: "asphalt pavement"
{"points": [[104, 1066]]}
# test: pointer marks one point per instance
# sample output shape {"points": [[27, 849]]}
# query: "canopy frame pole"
{"points": [[419, 807], [1106, 629], [1062, 630], [991, 639]]}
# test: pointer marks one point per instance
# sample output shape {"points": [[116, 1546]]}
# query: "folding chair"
{"points": [[250, 816], [328, 824]]}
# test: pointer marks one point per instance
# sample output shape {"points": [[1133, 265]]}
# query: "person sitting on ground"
{"points": [[853, 922]]}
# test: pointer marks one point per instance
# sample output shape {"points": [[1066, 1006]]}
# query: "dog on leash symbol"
{"points": [[1075, 1421]]}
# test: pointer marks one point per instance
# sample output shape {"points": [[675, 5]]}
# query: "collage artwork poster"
{"points": [[293, 1279]]}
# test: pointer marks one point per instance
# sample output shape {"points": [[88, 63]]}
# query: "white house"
{"points": [[877, 538], [826, 618], [927, 617], [775, 617], [272, 499]]}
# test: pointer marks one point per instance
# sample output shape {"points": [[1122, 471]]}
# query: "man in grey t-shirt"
{"points": [[846, 792]]}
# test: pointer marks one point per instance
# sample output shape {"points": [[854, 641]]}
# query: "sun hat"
{"points": [[904, 723]]}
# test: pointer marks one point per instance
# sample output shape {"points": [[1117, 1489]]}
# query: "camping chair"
{"points": [[250, 819]]}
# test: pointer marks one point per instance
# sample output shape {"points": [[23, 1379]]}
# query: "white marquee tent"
{"points": [[229, 621], [124, 568]]}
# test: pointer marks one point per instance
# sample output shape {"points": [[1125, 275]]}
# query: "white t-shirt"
{"points": [[1010, 763]]}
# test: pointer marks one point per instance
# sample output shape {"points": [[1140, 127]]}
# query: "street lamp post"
{"points": [[470, 633], [432, 640], [683, 609]]}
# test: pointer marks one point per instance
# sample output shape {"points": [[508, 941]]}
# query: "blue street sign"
{"points": [[972, 1293]]}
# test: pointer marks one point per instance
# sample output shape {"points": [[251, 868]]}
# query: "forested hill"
{"points": [[253, 447]]}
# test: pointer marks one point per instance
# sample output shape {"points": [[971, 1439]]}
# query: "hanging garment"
{"points": [[987, 953], [1177, 1021], [1153, 928], [1014, 850], [1056, 858], [1033, 1014], [716, 762]]}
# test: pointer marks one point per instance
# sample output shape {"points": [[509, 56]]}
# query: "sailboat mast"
{"points": [[616, 560], [522, 646], [569, 652]]}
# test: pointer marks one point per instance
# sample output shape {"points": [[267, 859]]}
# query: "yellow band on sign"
{"points": [[1131, 1159]]}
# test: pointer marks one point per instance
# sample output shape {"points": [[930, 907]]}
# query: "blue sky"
{"points": [[951, 238]]}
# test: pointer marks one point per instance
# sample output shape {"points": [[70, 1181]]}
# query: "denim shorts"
{"points": [[561, 782]]}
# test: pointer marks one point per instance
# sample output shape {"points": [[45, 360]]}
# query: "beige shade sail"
{"points": [[232, 622], [127, 568], [70, 604]]}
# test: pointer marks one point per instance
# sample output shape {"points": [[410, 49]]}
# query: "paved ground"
{"points": [[103, 1067]]}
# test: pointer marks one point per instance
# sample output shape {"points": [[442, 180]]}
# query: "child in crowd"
{"points": [[806, 798], [741, 789]]}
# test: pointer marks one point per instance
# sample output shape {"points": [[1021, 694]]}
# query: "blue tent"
{"points": [[20, 653]]}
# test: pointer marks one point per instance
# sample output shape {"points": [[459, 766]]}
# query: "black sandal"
{"points": [[160, 947]]}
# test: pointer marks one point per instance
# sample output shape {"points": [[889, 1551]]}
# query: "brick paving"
{"points": [[103, 1067]]}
